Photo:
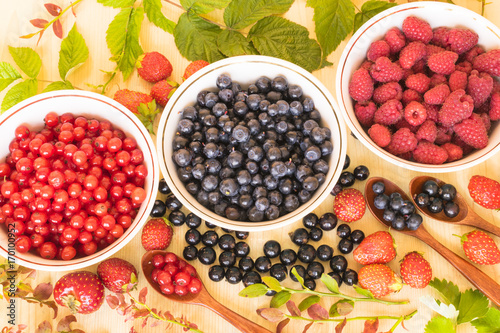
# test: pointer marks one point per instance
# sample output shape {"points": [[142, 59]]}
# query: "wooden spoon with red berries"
{"points": [[480, 280], [202, 298], [466, 216]]}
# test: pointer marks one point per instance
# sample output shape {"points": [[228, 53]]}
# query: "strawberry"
{"points": [[377, 248], [153, 67], [117, 275], [82, 292], [157, 234], [131, 99], [480, 248], [485, 191], [379, 279], [193, 68], [349, 205], [415, 270], [162, 91]]}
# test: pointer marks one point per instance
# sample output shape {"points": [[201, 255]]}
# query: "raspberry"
{"points": [[416, 29], [395, 39], [437, 79], [443, 135], [457, 80], [473, 132], [412, 53], [384, 70], [432, 49], [437, 95], [464, 66], [457, 107], [443, 62], [440, 36], [367, 64], [472, 53], [405, 124], [377, 49], [461, 40], [418, 82], [427, 131], [364, 112], [488, 62], [420, 67], [389, 113], [403, 141], [454, 152], [466, 149], [429, 153], [479, 87], [380, 134], [410, 95], [361, 85], [494, 111], [486, 121], [415, 113], [387, 91], [432, 112]]}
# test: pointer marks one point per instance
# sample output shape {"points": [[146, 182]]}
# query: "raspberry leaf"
{"points": [[489, 323], [242, 13], [254, 290], [369, 10], [155, 16], [439, 325], [19, 93], [58, 85], [73, 52], [280, 298], [8, 74], [203, 6], [308, 302], [448, 290], [117, 3], [473, 304], [27, 59], [233, 43]]}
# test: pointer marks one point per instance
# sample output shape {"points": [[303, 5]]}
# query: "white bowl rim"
{"points": [[282, 220], [82, 262], [363, 136]]}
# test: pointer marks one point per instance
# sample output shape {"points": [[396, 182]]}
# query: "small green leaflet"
{"points": [[73, 52], [196, 39], [363, 292], [117, 3], [254, 290], [369, 10], [334, 21], [280, 298], [439, 325], [473, 304], [8, 74], [330, 283], [308, 301], [19, 92], [449, 290], [155, 16], [490, 323], [298, 277], [233, 43], [58, 85], [203, 6], [27, 59], [281, 38], [241, 13], [272, 283], [341, 308]]}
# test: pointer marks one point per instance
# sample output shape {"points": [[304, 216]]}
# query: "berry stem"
{"points": [[340, 295], [398, 318]]}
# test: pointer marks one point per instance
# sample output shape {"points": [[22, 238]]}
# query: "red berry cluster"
{"points": [[71, 188], [174, 275]]}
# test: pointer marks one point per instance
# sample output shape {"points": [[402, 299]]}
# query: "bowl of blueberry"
{"points": [[418, 84], [251, 143]]}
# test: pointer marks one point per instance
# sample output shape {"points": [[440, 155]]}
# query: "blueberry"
{"points": [[262, 264], [306, 253], [407, 208], [190, 252], [398, 222], [216, 273], [163, 187], [447, 192], [350, 277], [431, 188], [301, 271], [251, 278], [206, 255], [389, 215], [324, 252], [177, 218], [227, 259], [357, 236], [451, 209], [327, 221], [345, 246], [361, 172], [347, 162], [241, 249], [229, 187], [315, 234], [315, 270], [396, 203], [246, 264], [435, 206], [299, 236], [310, 220], [263, 84], [278, 271], [210, 225], [210, 238], [241, 234], [309, 283], [338, 264], [159, 209], [422, 200], [288, 257], [343, 230], [279, 83], [272, 249], [414, 221], [233, 275], [227, 242], [381, 201], [336, 190], [336, 277], [193, 237]]}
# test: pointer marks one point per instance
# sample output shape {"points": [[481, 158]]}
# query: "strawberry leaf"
{"points": [[341, 308], [340, 327], [117, 3], [281, 325], [64, 324], [371, 326], [280, 298], [273, 315], [39, 23], [307, 302], [368, 10], [73, 52], [43, 291], [8, 74], [155, 16], [448, 290], [19, 92], [473, 304], [490, 323], [53, 9], [317, 312], [57, 28], [27, 59], [242, 13], [203, 6], [233, 43], [439, 325], [254, 290], [293, 309], [59, 85], [272, 283], [330, 283]]}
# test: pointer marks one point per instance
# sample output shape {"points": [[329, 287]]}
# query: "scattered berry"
{"points": [[349, 205], [485, 191], [162, 91], [153, 67], [193, 68], [480, 248], [156, 234], [131, 99], [117, 275], [377, 248], [82, 292]]}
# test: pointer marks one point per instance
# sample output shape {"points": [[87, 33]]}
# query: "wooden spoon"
{"points": [[202, 298], [466, 216], [480, 280]]}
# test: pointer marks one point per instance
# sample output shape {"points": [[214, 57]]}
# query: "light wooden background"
{"points": [[92, 20]]}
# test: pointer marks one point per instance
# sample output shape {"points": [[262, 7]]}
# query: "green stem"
{"points": [[399, 319], [57, 17], [483, 4], [105, 85], [351, 298]]}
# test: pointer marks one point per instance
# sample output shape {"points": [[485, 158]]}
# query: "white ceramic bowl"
{"points": [[437, 14], [31, 113], [246, 70]]}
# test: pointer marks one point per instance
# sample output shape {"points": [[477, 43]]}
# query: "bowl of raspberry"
{"points": [[251, 143], [418, 85], [79, 176]]}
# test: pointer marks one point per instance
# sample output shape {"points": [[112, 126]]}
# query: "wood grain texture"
{"points": [[92, 20]]}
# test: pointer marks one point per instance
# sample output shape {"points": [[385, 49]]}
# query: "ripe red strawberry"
{"points": [[82, 292], [153, 67], [379, 279], [377, 248], [485, 191], [415, 270], [156, 234], [193, 68], [117, 275], [162, 91], [349, 205], [131, 99], [480, 248]]}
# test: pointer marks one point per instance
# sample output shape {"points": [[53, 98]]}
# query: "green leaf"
{"points": [[254, 290], [330, 283], [58, 85], [19, 92], [308, 301], [448, 290], [363, 292], [439, 325], [369, 10], [272, 283], [117, 3], [278, 37], [334, 21], [155, 16], [122, 38], [233, 43], [73, 52], [490, 323], [298, 277], [8, 74], [203, 6], [473, 304], [341, 308], [280, 298], [196, 39], [27, 59], [241, 13]]}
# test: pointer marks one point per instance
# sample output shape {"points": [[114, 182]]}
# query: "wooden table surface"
{"points": [[92, 20]]}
